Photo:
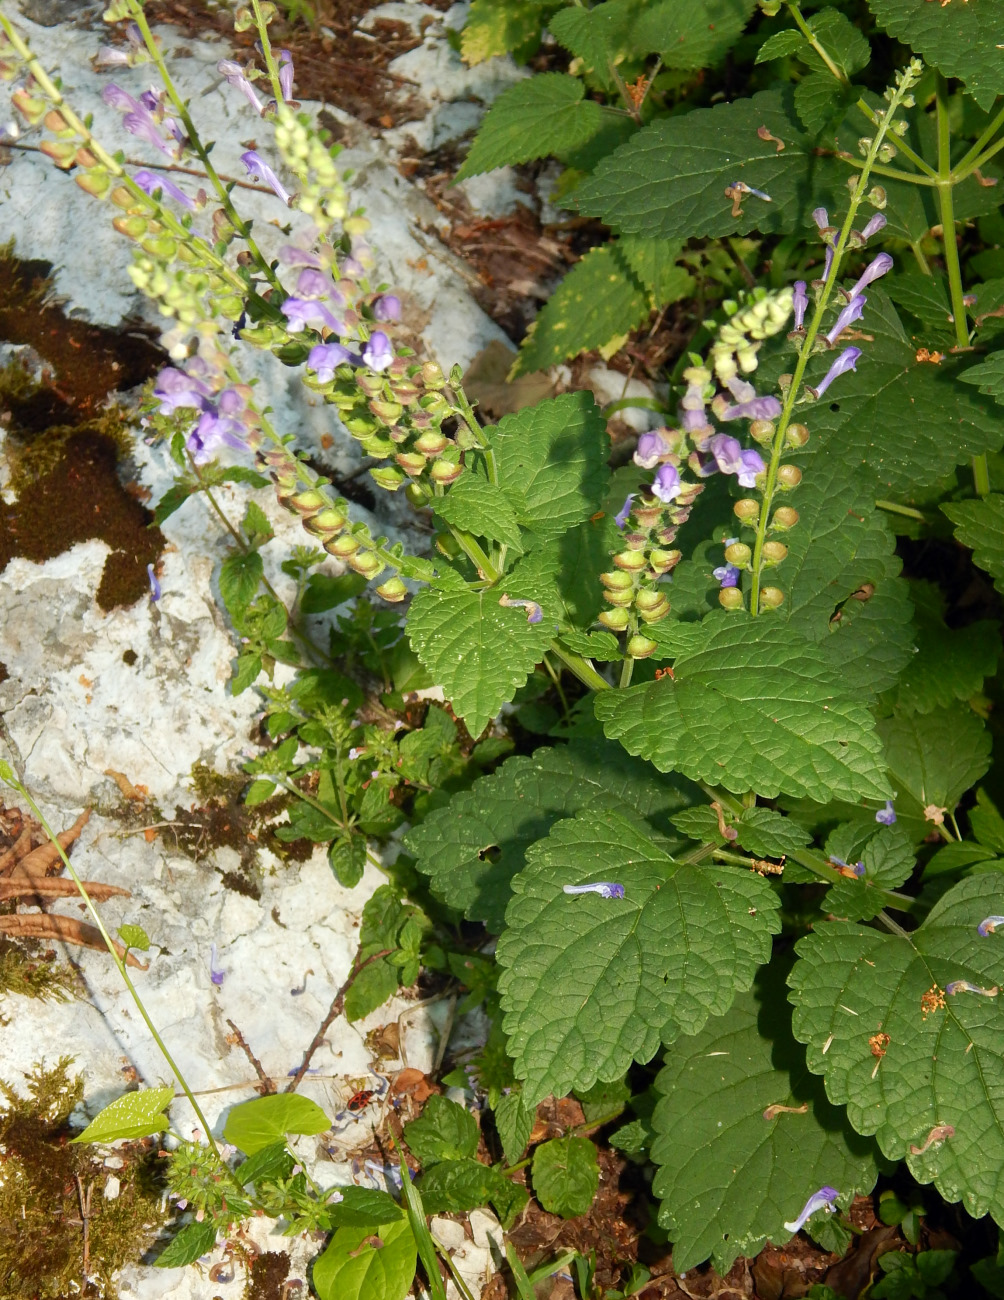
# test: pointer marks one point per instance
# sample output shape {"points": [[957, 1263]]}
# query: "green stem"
{"points": [[813, 40], [829, 287], [266, 47], [581, 667], [122, 969], [974, 158], [892, 173], [918, 252], [627, 671], [181, 108], [901, 147]]}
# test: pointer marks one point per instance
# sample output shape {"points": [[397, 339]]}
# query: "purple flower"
{"points": [[877, 267], [175, 389], [876, 224], [823, 1199], [378, 352], [150, 184], [800, 302], [290, 255], [732, 459], [143, 126], [605, 889], [387, 307], [727, 575], [851, 313], [259, 170], [234, 74], [534, 613], [216, 973], [325, 357], [213, 432], [758, 408], [286, 74], [305, 313], [311, 283], [847, 360], [666, 485], [154, 584], [858, 869], [828, 264], [963, 986], [115, 97], [650, 450], [821, 217], [621, 519], [989, 925], [887, 815]]}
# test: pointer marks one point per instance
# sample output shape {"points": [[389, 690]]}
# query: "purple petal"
{"points": [[887, 815], [828, 264], [311, 283], [290, 255], [154, 584], [378, 352], [605, 889], [666, 485], [847, 360], [759, 408], [149, 183], [621, 519], [115, 97], [304, 313], [650, 450], [851, 313], [800, 302], [750, 465], [820, 217], [877, 267], [286, 74], [387, 307], [259, 170], [823, 1199], [727, 574], [876, 224], [989, 925], [142, 125], [234, 74], [326, 357]]}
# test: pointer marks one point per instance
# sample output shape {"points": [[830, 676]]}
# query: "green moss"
{"points": [[34, 977], [42, 1180]]}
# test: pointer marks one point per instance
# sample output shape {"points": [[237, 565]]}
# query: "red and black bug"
{"points": [[360, 1100]]}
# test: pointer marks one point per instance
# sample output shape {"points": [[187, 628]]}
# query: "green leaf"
{"points": [[552, 457], [987, 823], [258, 792], [949, 664], [768, 834], [367, 1263], [370, 989], [531, 120], [133, 1115], [889, 861], [173, 499], [361, 1207], [194, 1240], [480, 508], [980, 526], [843, 42], [818, 100], [961, 40], [905, 1058], [988, 376], [780, 45], [566, 1176], [259, 1123], [239, 578], [604, 1098], [472, 848], [598, 300], [255, 525], [514, 1120], [480, 652], [496, 27], [733, 1165], [246, 674], [134, 936], [935, 757], [669, 180], [456, 1186], [444, 1131], [698, 34], [925, 297], [347, 859], [271, 1162], [653, 262], [509, 1200], [325, 592], [600, 36], [588, 983], [601, 646], [751, 708]]}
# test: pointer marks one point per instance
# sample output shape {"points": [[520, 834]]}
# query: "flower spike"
{"points": [[605, 889], [821, 1200]]}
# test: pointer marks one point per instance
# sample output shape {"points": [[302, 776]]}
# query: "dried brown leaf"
{"points": [[18, 850], [24, 886], [40, 925], [40, 860]]}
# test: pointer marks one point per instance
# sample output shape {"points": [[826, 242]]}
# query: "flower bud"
{"points": [[617, 581], [784, 518], [432, 375], [412, 462], [308, 502], [788, 477], [366, 563], [771, 598], [731, 598], [649, 599], [389, 412], [95, 183], [387, 477], [417, 494], [640, 647], [762, 431], [633, 561], [796, 435], [747, 510], [121, 197], [655, 615], [445, 471], [132, 227], [614, 619], [738, 554], [663, 561], [647, 516], [30, 108], [343, 546], [60, 151], [774, 552], [431, 443], [623, 599], [393, 590]]}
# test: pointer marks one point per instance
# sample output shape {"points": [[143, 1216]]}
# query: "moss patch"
{"points": [[34, 976]]}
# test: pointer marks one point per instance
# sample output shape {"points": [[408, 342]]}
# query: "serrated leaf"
{"points": [[843, 42], [961, 40], [259, 1123], [889, 861], [479, 651], [669, 180], [495, 27], [239, 578], [472, 848], [730, 1175], [940, 422], [600, 36], [325, 592], [818, 100], [553, 458], [367, 1263], [926, 298], [988, 376], [934, 758], [360, 1207], [480, 508], [133, 1115], [589, 984], [751, 708], [904, 1057], [653, 262], [598, 300], [566, 1176], [980, 526], [780, 45], [173, 499], [347, 859], [371, 989], [456, 1186], [514, 1120], [601, 646], [444, 1131], [696, 35], [768, 834], [194, 1240], [950, 664], [531, 120], [271, 1162]]}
